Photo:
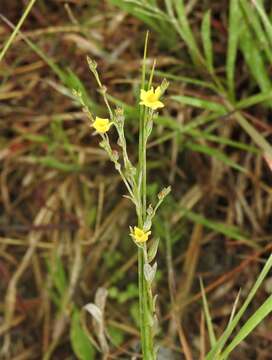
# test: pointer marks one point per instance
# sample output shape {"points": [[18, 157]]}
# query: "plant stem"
{"points": [[145, 294]]}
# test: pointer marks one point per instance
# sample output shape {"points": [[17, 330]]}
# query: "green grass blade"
{"points": [[58, 274], [254, 58], [55, 68], [222, 140], [80, 341], [16, 29], [52, 162], [227, 333], [200, 103], [186, 32], [231, 232], [234, 32], [207, 40], [185, 79], [207, 315], [150, 14], [252, 18], [264, 17], [254, 100], [204, 149], [249, 326]]}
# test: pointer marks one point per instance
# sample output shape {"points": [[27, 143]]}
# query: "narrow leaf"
{"points": [[207, 315], [249, 326], [233, 37], [225, 336], [206, 39], [200, 103], [80, 342]]}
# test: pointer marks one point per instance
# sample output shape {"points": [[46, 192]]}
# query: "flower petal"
{"points": [[158, 104], [143, 94], [158, 92]]}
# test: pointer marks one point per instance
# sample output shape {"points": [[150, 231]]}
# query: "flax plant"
{"points": [[135, 180]]}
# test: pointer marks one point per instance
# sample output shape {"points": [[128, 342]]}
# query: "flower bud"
{"points": [[164, 85], [92, 64], [164, 192]]}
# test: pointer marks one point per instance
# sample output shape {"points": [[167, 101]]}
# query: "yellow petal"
{"points": [[101, 125], [143, 94], [159, 104], [158, 92], [139, 235]]}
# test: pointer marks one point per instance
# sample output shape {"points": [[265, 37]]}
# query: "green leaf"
{"points": [[207, 40], [254, 22], [186, 32], [216, 154], [249, 326], [200, 103], [234, 29], [80, 342], [223, 140], [254, 100], [58, 274], [207, 315], [185, 79], [149, 13], [36, 138], [229, 231], [51, 162], [152, 251], [227, 333], [116, 335], [264, 17], [254, 58]]}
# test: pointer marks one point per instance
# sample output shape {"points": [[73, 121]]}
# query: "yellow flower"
{"points": [[139, 235], [101, 125], [150, 98]]}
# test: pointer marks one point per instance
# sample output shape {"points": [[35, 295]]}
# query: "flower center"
{"points": [[151, 97]]}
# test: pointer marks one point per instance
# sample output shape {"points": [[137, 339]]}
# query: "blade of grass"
{"points": [[16, 29], [265, 19], [229, 231], [227, 333], [222, 140], [234, 28], [252, 17], [207, 40], [254, 58], [200, 103], [204, 149], [185, 79], [186, 32], [207, 315], [249, 326], [254, 100]]}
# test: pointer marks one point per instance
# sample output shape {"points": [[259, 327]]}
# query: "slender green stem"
{"points": [[145, 294], [144, 164]]}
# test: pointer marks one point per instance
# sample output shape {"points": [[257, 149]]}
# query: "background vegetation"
{"points": [[64, 222]]}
